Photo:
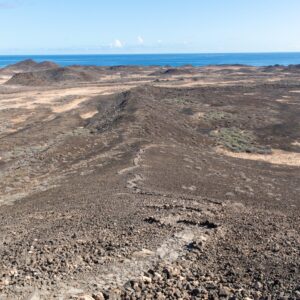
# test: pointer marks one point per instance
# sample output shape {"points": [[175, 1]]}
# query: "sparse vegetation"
{"points": [[218, 115], [238, 140], [119, 193], [179, 100]]}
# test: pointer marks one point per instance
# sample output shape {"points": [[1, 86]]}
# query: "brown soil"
{"points": [[113, 188]]}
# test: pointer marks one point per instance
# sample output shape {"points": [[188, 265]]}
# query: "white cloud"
{"points": [[140, 40], [118, 44]]}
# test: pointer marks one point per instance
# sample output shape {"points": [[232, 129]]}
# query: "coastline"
{"points": [[174, 60]]}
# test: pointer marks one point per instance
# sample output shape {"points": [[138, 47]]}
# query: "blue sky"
{"points": [[148, 26]]}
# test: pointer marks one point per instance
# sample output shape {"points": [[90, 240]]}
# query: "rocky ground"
{"points": [[149, 183]]}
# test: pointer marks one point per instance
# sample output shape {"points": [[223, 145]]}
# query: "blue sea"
{"points": [[253, 59]]}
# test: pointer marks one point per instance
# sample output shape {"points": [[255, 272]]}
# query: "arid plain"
{"points": [[149, 182]]}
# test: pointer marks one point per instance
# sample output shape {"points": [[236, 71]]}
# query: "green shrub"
{"points": [[238, 140], [218, 116]]}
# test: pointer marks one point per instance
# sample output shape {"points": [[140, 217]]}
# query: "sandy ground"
{"points": [[55, 97], [278, 157]]}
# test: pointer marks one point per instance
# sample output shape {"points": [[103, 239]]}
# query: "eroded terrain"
{"points": [[149, 183]]}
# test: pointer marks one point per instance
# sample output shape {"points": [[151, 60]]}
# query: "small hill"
{"points": [[29, 65], [52, 76], [173, 71], [273, 68], [281, 68], [294, 68]]}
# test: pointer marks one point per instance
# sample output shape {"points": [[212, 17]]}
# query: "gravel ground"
{"points": [[136, 202]]}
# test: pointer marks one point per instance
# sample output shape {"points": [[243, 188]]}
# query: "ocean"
{"points": [[253, 59]]}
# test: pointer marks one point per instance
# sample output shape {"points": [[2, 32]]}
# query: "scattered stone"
{"points": [[146, 279], [258, 285], [98, 296], [224, 291], [85, 297]]}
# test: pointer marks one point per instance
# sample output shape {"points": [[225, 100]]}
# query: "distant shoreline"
{"points": [[173, 60], [167, 53]]}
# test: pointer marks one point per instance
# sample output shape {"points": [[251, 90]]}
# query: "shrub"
{"points": [[238, 140]]}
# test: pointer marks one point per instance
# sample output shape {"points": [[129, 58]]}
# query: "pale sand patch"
{"points": [[283, 100], [4, 78], [66, 107], [294, 92], [30, 99], [171, 84], [19, 119], [88, 114], [273, 79], [296, 143], [74, 104], [237, 68], [198, 115], [190, 188], [106, 93], [278, 157], [50, 118]]}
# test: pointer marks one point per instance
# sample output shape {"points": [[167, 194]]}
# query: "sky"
{"points": [[148, 26]]}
